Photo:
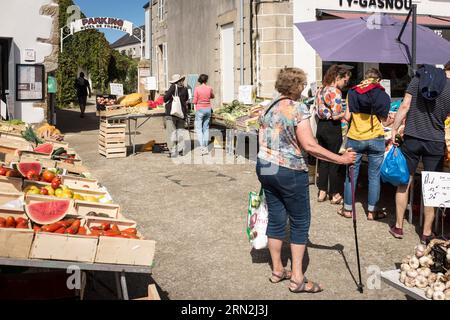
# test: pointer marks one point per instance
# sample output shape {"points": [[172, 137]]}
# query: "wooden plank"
{"points": [[112, 156], [10, 184], [112, 135], [112, 144], [7, 197], [73, 168], [64, 247], [110, 149], [78, 182], [83, 208], [111, 140], [125, 251], [107, 125], [15, 243]]}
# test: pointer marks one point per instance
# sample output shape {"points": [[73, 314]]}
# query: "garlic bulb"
{"points": [[410, 282], [412, 274], [439, 286], [403, 276], [420, 249], [405, 267], [414, 263], [425, 261], [432, 278], [440, 277], [421, 282], [429, 293], [438, 295], [426, 272], [447, 294]]}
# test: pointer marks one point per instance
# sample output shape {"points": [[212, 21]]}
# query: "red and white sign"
{"points": [[102, 23]]}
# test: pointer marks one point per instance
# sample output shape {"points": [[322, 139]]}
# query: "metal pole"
{"points": [[242, 41], [353, 186], [414, 39], [62, 39]]}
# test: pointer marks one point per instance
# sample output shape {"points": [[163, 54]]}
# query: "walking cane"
{"points": [[352, 182]]}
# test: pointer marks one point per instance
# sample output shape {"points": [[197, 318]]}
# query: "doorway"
{"points": [[4, 75], [227, 59]]}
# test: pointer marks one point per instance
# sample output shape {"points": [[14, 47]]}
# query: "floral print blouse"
{"points": [[278, 142], [329, 103]]}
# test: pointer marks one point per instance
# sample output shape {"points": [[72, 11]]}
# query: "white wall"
{"points": [[305, 11], [20, 20]]}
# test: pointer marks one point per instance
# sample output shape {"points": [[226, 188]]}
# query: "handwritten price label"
{"points": [[436, 189]]}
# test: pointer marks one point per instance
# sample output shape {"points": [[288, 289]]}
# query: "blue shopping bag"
{"points": [[395, 168]]}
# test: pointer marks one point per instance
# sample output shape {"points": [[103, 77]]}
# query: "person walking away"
{"points": [[284, 136], [424, 137], [83, 91], [330, 112], [202, 101], [367, 112], [175, 126]]}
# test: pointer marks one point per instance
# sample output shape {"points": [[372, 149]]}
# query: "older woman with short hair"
{"points": [[284, 137]]}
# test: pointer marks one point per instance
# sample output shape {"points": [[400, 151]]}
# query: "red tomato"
{"points": [[3, 171]]}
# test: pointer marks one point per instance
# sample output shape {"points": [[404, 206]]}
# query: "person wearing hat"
{"points": [[174, 125]]}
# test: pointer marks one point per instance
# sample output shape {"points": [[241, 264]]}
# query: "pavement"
{"points": [[197, 215]]}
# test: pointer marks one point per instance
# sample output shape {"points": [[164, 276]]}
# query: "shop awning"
{"points": [[424, 20]]}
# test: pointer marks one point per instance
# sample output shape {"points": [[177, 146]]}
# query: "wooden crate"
{"points": [[83, 208], [112, 138], [10, 184], [15, 243], [79, 183], [64, 247], [111, 111], [72, 168], [8, 197], [137, 252]]}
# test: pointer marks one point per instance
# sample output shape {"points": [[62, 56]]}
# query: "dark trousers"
{"points": [[82, 101], [331, 176]]}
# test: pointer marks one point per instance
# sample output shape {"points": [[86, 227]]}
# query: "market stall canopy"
{"points": [[373, 40]]}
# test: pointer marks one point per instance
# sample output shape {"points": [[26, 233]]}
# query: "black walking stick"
{"points": [[352, 182]]}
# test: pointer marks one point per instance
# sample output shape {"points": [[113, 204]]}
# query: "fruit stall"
{"points": [[116, 115], [54, 214]]}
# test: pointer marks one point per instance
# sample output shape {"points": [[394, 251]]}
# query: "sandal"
{"points": [[276, 278], [319, 199], [344, 213], [377, 215], [340, 200], [301, 287]]}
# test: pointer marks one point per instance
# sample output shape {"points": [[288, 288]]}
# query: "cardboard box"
{"points": [[10, 184], [15, 243], [82, 208], [64, 247]]}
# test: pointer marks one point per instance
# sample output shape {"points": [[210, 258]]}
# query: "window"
{"points": [[161, 10]]}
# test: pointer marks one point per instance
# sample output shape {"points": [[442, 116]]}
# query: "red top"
{"points": [[202, 97]]}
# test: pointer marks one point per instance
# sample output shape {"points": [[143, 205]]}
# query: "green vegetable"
{"points": [[30, 136], [15, 122]]}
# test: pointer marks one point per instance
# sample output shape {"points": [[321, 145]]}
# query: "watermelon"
{"points": [[46, 148], [25, 167], [47, 212]]}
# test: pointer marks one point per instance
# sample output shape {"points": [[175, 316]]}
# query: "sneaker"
{"points": [[425, 240], [396, 232]]}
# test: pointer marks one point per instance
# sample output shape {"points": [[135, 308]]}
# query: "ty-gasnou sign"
{"points": [[379, 4]]}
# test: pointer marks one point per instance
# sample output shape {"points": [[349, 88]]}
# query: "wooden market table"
{"points": [[392, 278], [120, 271], [136, 117]]}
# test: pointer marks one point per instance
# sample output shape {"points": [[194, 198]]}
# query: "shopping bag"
{"points": [[257, 220], [177, 110], [395, 168]]}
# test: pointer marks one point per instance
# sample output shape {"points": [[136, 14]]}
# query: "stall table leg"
{"points": [[123, 282]]}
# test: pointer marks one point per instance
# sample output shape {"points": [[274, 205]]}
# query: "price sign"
{"points": [[116, 89], [436, 189]]}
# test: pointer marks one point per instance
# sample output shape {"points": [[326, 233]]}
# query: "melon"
{"points": [[46, 148], [25, 167], [47, 212]]}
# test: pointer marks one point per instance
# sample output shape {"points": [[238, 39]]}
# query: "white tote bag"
{"points": [[176, 111]]}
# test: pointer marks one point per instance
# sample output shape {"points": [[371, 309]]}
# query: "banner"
{"points": [[102, 23]]}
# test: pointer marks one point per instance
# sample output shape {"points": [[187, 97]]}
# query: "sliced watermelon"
{"points": [[25, 167], [47, 212], [46, 148]]}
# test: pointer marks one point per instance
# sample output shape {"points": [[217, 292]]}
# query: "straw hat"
{"points": [[177, 77]]}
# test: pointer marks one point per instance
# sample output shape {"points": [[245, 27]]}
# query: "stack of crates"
{"points": [[111, 139]]}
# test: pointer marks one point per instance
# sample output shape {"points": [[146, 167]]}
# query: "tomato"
{"points": [[13, 173], [2, 220], [3, 224], [75, 226], [48, 176], [3, 171], [44, 191], [22, 225], [65, 223], [32, 175], [70, 231], [96, 233], [50, 227], [36, 229], [82, 231], [111, 233], [56, 182], [129, 235], [130, 231], [115, 228], [60, 230], [10, 222], [20, 220], [106, 226]]}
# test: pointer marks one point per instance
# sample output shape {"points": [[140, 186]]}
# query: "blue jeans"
{"points": [[202, 118], [375, 151], [287, 195]]}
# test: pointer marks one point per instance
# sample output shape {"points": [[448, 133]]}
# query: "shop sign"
{"points": [[102, 23], [378, 4]]}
